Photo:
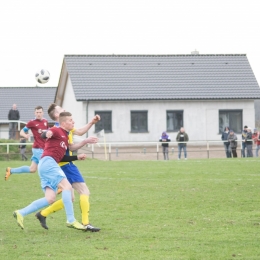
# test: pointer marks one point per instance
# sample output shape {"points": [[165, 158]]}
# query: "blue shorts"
{"points": [[37, 154], [72, 173], [50, 173]]}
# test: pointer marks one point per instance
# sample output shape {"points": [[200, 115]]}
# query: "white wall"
{"points": [[201, 118], [71, 105]]}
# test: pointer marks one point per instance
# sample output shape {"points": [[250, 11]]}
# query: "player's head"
{"points": [[66, 121], [54, 111], [38, 111]]}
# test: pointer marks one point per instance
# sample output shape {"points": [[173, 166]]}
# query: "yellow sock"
{"points": [[57, 205], [84, 206]]}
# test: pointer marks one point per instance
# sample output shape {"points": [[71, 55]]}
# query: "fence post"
{"points": [[109, 151], [208, 149], [92, 150]]}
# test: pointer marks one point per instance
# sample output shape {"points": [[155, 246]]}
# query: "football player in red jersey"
{"points": [[37, 126], [51, 175]]}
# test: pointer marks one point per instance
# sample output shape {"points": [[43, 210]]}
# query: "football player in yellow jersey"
{"points": [[72, 173]]}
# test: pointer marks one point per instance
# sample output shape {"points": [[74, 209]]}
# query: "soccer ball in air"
{"points": [[42, 76]]}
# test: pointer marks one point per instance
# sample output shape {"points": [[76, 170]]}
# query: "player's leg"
{"points": [[84, 193], [52, 176], [75, 178], [78, 183], [68, 205], [56, 206], [34, 206], [20, 170], [37, 153]]}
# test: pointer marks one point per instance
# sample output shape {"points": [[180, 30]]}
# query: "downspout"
{"points": [[87, 116]]}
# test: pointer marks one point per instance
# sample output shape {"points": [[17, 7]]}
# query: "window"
{"points": [[232, 119], [174, 120], [139, 121], [105, 121]]}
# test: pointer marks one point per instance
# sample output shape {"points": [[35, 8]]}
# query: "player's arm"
{"points": [[24, 132], [81, 131], [89, 140], [71, 158], [46, 134]]}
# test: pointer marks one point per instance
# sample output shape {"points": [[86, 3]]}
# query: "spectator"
{"points": [[249, 142], [232, 138], [165, 139], [23, 148], [224, 137], [182, 138], [244, 133], [255, 137], [13, 115]]}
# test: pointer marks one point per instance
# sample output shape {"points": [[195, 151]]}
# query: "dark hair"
{"points": [[51, 111]]}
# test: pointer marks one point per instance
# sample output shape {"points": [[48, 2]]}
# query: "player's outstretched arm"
{"points": [[89, 140], [84, 129], [70, 158]]}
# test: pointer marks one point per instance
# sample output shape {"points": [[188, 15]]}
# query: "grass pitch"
{"points": [[194, 209]]}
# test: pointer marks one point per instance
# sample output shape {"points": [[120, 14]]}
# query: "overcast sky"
{"points": [[37, 34]]}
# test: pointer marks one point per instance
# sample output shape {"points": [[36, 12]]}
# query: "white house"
{"points": [[140, 96]]}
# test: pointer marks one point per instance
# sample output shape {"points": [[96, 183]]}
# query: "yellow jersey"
{"points": [[70, 137]]}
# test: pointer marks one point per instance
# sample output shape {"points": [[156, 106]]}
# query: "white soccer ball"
{"points": [[42, 76]]}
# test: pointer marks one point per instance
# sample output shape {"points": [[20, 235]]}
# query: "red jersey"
{"points": [[37, 126], [57, 145], [255, 137]]}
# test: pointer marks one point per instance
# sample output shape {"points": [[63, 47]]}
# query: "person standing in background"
{"points": [[13, 115], [182, 137], [232, 138], [255, 137], [224, 137], [249, 142], [23, 149], [165, 139], [244, 133]]}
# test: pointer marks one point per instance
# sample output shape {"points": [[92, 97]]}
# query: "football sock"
{"points": [[34, 206], [56, 206], [68, 205], [22, 169], [84, 206]]}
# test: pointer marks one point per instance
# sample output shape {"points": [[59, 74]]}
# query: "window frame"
{"points": [[232, 127], [139, 119], [174, 111], [99, 112]]}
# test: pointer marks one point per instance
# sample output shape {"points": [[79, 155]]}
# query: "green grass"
{"points": [[195, 209]]}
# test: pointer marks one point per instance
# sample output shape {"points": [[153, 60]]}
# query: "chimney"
{"points": [[195, 52]]}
